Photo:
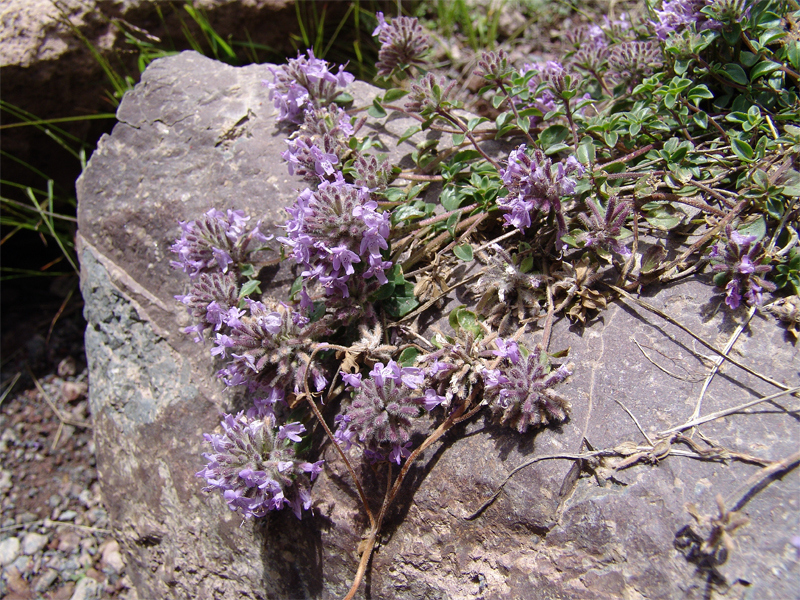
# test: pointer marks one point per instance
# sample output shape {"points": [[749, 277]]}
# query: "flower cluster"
{"points": [[334, 229], [631, 62], [454, 371], [676, 15], [739, 260], [604, 226], [535, 183], [211, 301], [403, 44], [519, 390], [370, 174], [494, 67], [383, 408], [216, 241], [253, 464], [268, 348], [321, 144], [429, 96], [303, 82]]}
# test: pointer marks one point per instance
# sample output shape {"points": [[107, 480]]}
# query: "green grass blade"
{"points": [[49, 223]]}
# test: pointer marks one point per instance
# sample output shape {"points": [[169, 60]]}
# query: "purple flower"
{"points": [[352, 379], [254, 467], [333, 229], [399, 452], [604, 227], [304, 81], [508, 350], [534, 183], [431, 399], [740, 260], [403, 44], [383, 407], [292, 432], [267, 348], [520, 395], [215, 242], [313, 468]]}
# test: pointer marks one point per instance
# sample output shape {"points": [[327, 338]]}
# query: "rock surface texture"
{"points": [[195, 134]]}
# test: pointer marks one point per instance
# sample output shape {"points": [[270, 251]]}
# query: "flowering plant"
{"points": [[615, 143]]}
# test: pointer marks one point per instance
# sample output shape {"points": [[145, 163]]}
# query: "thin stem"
{"points": [[332, 438]]}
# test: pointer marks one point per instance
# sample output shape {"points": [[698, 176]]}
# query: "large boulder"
{"points": [[196, 134]]}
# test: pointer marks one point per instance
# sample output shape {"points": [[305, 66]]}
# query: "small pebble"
{"points": [[68, 515], [9, 551], [87, 589], [68, 542], [45, 580], [22, 564], [33, 542], [111, 559]]}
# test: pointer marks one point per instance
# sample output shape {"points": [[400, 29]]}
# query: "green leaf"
{"points": [[735, 73], [698, 93], [662, 216], [524, 123], [555, 134], [458, 139], [474, 122], [383, 292], [701, 120], [464, 252], [586, 151], [610, 138], [451, 198], [408, 357], [793, 54], [376, 110], [497, 100], [763, 68], [343, 98], [742, 149], [452, 318], [297, 285], [403, 302], [757, 228], [414, 129], [249, 287], [247, 270], [452, 223], [394, 94]]}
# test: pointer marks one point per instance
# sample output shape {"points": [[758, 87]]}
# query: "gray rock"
{"points": [[33, 542], [87, 589], [22, 564], [67, 515], [9, 551], [196, 134]]}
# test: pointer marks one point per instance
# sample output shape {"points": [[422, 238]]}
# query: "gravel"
{"points": [[56, 542]]}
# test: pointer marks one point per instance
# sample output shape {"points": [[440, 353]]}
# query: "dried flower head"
{"points": [[788, 311], [604, 226], [739, 262], [302, 82], [215, 242], [507, 287], [383, 408], [574, 282], [336, 230], [519, 391], [403, 44], [536, 184], [253, 464]]}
